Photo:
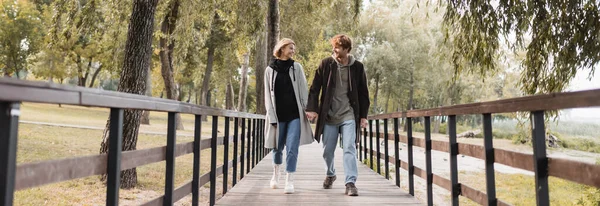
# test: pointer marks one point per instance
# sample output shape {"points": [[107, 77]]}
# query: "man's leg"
{"points": [[348, 130], [330, 138], [330, 135]]}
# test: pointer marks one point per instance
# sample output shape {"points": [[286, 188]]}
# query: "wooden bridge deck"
{"points": [[373, 189]]}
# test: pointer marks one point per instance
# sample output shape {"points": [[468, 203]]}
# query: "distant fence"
{"points": [[18, 177], [539, 163]]}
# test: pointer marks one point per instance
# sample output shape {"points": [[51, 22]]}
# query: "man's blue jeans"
{"points": [[289, 137], [330, 140]]}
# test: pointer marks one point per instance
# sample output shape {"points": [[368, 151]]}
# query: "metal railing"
{"points": [[15, 177], [538, 162]]}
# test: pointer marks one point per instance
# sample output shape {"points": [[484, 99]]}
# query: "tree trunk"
{"points": [[138, 50], [436, 124], [212, 44], [376, 94], [244, 84], [80, 78], [410, 97], [272, 38], [95, 75], [166, 55], [146, 114], [387, 101], [229, 96]]}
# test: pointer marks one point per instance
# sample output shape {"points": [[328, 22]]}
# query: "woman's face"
{"points": [[288, 51]]}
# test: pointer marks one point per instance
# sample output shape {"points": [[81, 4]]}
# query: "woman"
{"points": [[286, 95]]}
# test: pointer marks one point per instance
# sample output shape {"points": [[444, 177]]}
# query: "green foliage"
{"points": [[21, 31], [559, 37]]}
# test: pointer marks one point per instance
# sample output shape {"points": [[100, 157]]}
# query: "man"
{"points": [[342, 84]]}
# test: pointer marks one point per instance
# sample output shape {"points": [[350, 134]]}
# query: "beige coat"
{"points": [[301, 92]]}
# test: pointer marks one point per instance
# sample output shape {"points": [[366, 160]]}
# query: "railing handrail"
{"points": [[542, 102], [15, 90]]}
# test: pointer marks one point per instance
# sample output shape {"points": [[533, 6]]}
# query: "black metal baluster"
{"points": [[411, 168], [235, 150], [385, 141], [453, 162], [113, 170], [428, 161], [196, 172], [489, 160], [540, 160], [397, 152], [170, 159], [213, 160], [226, 155]]}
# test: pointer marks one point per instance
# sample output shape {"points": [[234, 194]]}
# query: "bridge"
{"points": [[249, 164]]}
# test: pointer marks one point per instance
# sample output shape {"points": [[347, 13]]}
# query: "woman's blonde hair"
{"points": [[280, 45]]}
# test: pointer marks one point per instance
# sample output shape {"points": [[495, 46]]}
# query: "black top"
{"points": [[285, 98]]}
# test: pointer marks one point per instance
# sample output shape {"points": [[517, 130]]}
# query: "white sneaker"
{"points": [[289, 183], [276, 175]]}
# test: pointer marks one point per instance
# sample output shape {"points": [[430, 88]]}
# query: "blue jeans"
{"points": [[330, 140], [289, 137]]}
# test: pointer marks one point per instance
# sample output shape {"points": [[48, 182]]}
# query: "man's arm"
{"points": [[363, 94]]}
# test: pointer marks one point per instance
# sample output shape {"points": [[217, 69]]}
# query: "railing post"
{"points": [[196, 172], [387, 157], [235, 151], [364, 143], [9, 121], [489, 160], [254, 143], [225, 155], [213, 160], [249, 136], [113, 170], [242, 148], [397, 152], [411, 168], [377, 133], [371, 144], [170, 159], [428, 161], [540, 160], [453, 162]]}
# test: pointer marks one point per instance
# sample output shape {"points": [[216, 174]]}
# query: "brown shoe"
{"points": [[328, 182], [351, 189]]}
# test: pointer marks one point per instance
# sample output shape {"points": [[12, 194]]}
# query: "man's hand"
{"points": [[311, 115], [363, 123]]}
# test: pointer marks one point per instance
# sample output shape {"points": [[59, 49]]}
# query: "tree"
{"points": [[138, 50], [167, 45], [559, 37], [243, 85], [19, 36]]}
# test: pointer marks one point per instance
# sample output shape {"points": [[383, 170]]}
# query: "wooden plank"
{"points": [[471, 150], [36, 174], [514, 159], [254, 188], [473, 194], [580, 172]]}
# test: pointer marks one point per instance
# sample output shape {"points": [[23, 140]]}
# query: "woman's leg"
{"points": [[292, 144]]}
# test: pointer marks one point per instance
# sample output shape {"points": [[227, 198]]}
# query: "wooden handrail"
{"points": [[14, 90]]}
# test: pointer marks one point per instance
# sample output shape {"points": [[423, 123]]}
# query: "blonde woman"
{"points": [[286, 95]]}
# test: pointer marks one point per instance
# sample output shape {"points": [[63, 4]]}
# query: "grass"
{"points": [[519, 189], [40, 143]]}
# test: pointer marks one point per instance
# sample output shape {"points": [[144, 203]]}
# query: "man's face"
{"points": [[339, 52]]}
